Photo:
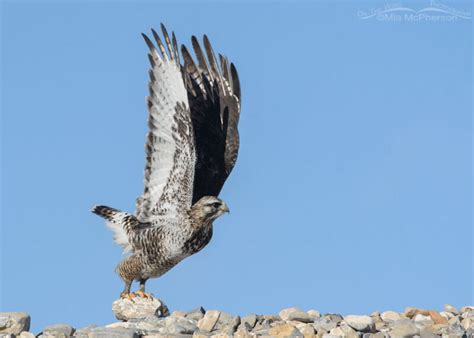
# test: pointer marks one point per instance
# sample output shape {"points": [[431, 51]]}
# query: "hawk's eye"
{"points": [[216, 205]]}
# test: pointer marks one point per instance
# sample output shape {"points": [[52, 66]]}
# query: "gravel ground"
{"points": [[149, 317]]}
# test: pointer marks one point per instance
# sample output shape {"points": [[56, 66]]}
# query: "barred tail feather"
{"points": [[121, 223]]}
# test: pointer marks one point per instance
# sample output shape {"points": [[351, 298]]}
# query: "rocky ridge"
{"points": [[150, 318]]}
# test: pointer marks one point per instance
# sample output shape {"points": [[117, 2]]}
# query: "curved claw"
{"points": [[128, 295], [143, 294]]}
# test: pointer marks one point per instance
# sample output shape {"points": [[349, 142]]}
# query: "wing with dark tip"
{"points": [[214, 99]]}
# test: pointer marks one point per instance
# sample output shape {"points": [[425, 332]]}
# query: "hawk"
{"points": [[191, 148]]}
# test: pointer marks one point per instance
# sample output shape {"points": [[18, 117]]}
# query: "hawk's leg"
{"points": [[126, 292], [141, 292]]}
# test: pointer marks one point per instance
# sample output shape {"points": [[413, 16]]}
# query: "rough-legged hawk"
{"points": [[191, 148]]}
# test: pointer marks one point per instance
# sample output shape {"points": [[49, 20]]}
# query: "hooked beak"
{"points": [[225, 208]]}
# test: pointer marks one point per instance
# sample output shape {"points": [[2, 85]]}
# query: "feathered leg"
{"points": [[126, 291], [129, 269]]}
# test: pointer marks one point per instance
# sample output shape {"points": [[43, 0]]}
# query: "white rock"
{"points": [[360, 323], [26, 334], [102, 332], [422, 321], [467, 323], [14, 322], [141, 325], [314, 314], [208, 321], [450, 308], [390, 316], [292, 313], [446, 315], [178, 314], [139, 307], [337, 331], [58, 330], [307, 330]]}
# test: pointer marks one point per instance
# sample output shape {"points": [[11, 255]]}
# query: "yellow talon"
{"points": [[128, 295], [143, 294]]}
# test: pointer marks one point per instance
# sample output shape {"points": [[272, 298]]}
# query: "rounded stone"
{"points": [[360, 323]]}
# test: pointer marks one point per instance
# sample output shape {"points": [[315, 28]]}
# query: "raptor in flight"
{"points": [[191, 148]]}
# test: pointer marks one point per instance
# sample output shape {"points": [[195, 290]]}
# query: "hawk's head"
{"points": [[208, 208]]}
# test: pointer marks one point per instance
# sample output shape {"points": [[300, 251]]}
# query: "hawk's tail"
{"points": [[121, 223]]}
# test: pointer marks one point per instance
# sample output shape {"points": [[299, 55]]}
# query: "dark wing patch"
{"points": [[214, 99]]}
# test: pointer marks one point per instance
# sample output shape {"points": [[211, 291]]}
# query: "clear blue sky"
{"points": [[353, 187]]}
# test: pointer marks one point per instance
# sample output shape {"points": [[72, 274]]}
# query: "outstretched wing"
{"points": [[214, 97], [170, 147]]}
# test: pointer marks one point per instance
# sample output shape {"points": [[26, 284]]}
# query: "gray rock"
{"points": [[324, 324], [242, 333], [227, 324], [294, 313], [360, 323], [333, 317], [467, 323], [26, 334], [84, 331], [139, 327], [427, 334], [375, 335], [139, 307], [401, 322], [104, 332], [450, 308], [314, 314], [178, 314], [344, 331], [196, 314], [390, 316], [250, 319], [209, 320], [437, 329], [301, 316], [307, 330], [422, 321], [404, 330], [180, 325], [14, 322], [58, 330], [284, 330]]}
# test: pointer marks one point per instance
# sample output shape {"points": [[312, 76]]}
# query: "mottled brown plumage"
{"points": [[191, 148]]}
